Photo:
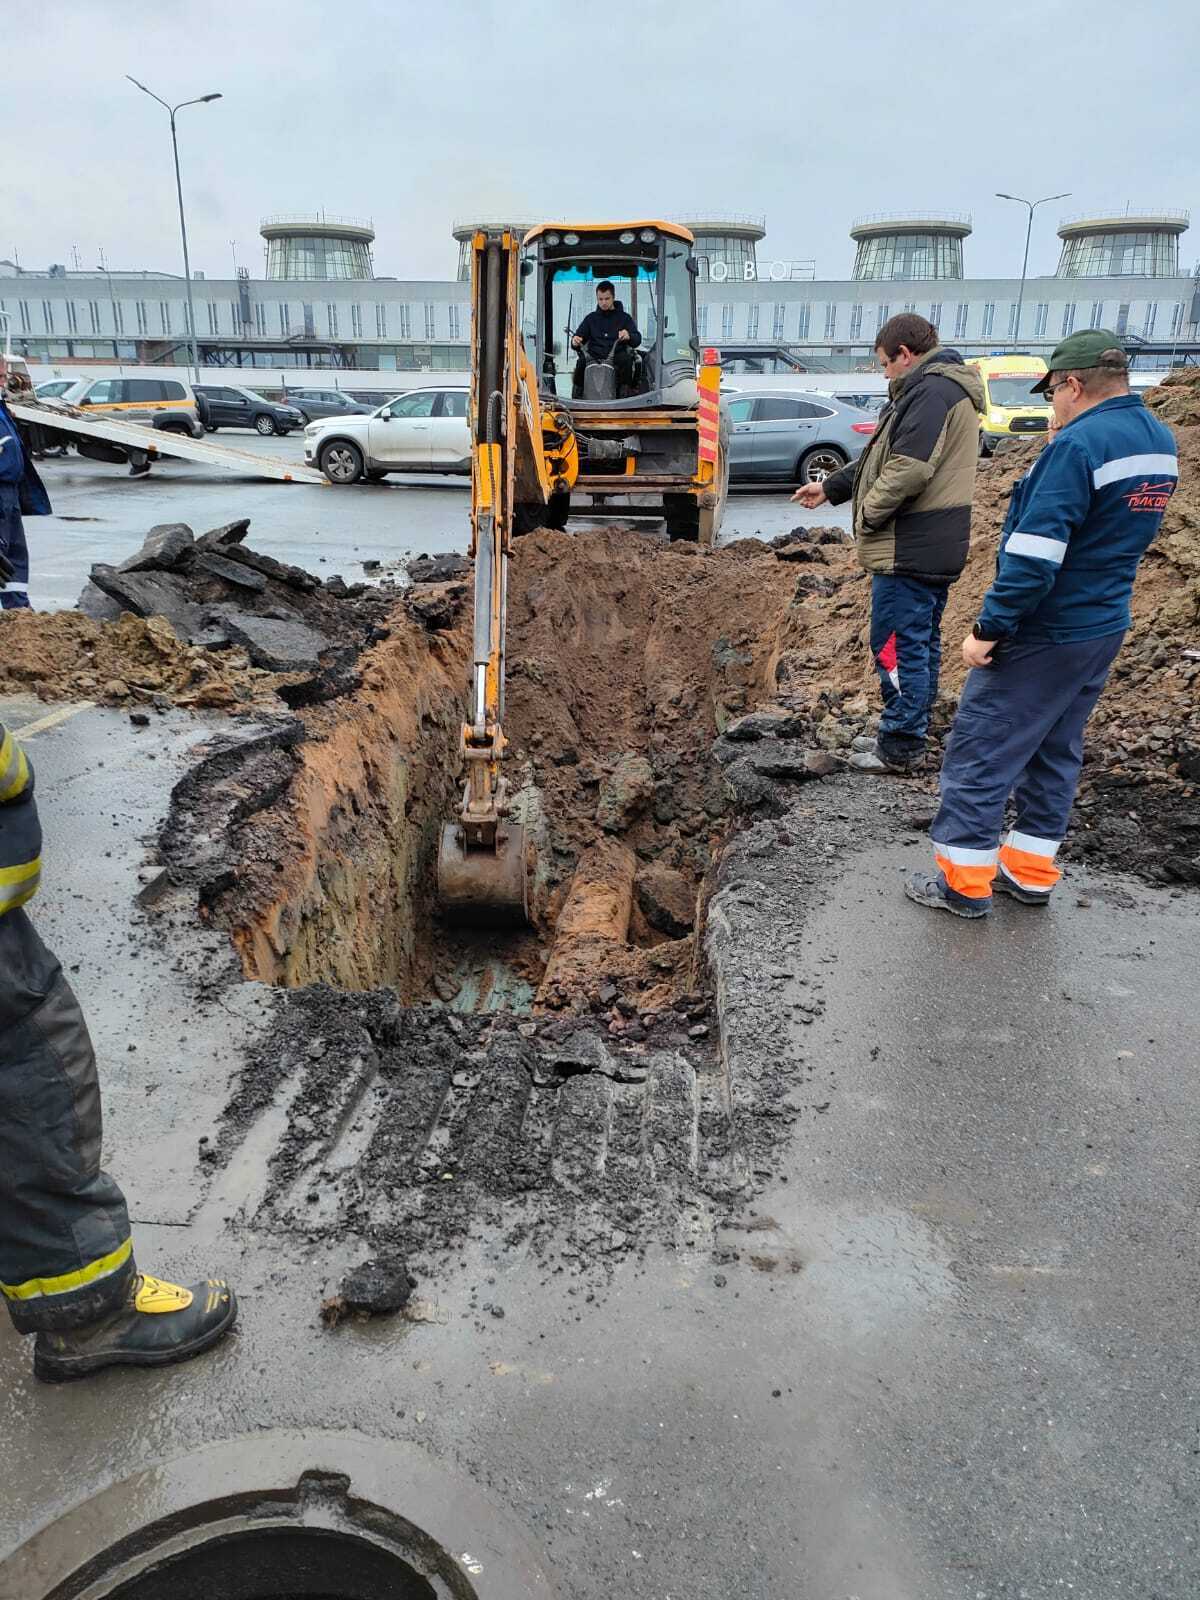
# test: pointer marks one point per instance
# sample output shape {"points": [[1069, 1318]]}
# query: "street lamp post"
{"points": [[203, 100], [1033, 205]]}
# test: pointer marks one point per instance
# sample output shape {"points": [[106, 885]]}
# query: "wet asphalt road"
{"points": [[954, 1358], [101, 514]]}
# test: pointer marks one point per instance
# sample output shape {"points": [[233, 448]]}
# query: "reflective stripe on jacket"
{"points": [[20, 830]]}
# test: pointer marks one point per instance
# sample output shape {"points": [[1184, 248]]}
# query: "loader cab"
{"points": [[652, 269]]}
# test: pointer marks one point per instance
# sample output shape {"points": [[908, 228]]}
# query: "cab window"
{"points": [[413, 405], [145, 391], [171, 391], [453, 403], [105, 392], [739, 410]]}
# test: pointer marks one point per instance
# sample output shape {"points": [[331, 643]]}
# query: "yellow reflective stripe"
{"points": [[14, 769], [34, 1288], [18, 884]]}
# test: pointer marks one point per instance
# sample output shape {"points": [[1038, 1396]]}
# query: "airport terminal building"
{"points": [[321, 305]]}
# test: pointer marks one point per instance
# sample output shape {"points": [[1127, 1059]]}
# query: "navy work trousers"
{"points": [[14, 593], [906, 646], [1018, 732]]}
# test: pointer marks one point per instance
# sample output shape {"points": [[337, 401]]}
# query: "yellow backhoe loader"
{"points": [[550, 422]]}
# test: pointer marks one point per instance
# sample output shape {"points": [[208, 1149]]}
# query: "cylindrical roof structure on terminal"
{"points": [[1137, 244], [316, 245], [911, 244]]}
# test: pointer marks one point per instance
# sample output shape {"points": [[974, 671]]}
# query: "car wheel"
{"points": [[375, 475], [341, 461], [819, 463], [211, 427], [265, 425], [176, 427]]}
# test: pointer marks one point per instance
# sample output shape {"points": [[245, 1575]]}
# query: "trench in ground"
{"points": [[404, 1055]]}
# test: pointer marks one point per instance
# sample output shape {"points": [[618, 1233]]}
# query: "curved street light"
{"points": [[201, 100], [1033, 205]]}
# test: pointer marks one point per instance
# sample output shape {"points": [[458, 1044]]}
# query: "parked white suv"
{"points": [[422, 430]]}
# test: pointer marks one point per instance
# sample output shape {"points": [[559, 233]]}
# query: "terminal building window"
{"points": [[260, 321], [1150, 318], [23, 308], [1123, 317], [831, 320], [48, 314], [779, 320], [430, 324], [856, 316], [805, 319], [960, 320], [722, 259], [1120, 255], [331, 318], [212, 317], [316, 256], [143, 320], [381, 322], [889, 256], [164, 315], [454, 314], [1039, 319], [405, 322], [989, 318], [727, 322], [884, 313], [72, 326], [935, 313], [285, 320], [1097, 317], [356, 322], [1176, 318], [118, 317], [1068, 318], [94, 314]]}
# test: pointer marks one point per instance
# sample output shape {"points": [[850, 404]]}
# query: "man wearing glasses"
{"points": [[1049, 629]]}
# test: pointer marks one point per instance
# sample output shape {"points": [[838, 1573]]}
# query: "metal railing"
{"points": [[955, 219], [1150, 214], [316, 219]]}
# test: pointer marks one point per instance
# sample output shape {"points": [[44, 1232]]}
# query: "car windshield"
{"points": [[1014, 391]]}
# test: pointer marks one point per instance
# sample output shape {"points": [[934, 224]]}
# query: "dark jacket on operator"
{"points": [[912, 486], [600, 328]]}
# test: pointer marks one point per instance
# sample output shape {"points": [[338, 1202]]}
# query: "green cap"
{"points": [[1080, 351]]}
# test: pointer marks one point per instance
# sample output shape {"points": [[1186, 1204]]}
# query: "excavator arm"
{"points": [[520, 457]]}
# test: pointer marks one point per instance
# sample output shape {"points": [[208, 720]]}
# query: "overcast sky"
{"points": [[809, 114]]}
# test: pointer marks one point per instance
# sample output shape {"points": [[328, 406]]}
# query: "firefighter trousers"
{"points": [[66, 1257], [1019, 732]]}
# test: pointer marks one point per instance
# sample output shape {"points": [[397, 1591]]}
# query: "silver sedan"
{"points": [[793, 438]]}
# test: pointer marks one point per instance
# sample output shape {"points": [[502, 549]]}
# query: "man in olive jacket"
{"points": [[911, 493]]}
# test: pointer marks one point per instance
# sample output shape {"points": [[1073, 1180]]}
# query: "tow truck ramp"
{"points": [[157, 442]]}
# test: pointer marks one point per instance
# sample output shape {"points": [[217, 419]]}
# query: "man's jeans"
{"points": [[906, 646]]}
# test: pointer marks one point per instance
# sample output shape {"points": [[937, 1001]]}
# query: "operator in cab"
{"points": [[608, 330]]}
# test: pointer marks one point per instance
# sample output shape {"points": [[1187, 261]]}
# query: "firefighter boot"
{"points": [[158, 1324]]}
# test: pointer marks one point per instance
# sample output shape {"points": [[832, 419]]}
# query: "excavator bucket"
{"points": [[483, 885]]}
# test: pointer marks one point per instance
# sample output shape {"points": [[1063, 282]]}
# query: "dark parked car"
{"points": [[796, 438], [317, 404], [224, 406]]}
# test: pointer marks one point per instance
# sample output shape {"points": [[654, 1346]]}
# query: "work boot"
{"points": [[1027, 897], [874, 760], [158, 1324], [865, 741], [930, 890]]}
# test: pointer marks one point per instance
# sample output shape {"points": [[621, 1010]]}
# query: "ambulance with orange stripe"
{"points": [[1011, 411]]}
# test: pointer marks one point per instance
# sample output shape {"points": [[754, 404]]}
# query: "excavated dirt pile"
{"points": [[201, 622]]}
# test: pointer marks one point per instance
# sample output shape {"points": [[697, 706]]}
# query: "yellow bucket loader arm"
{"points": [[518, 453]]}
